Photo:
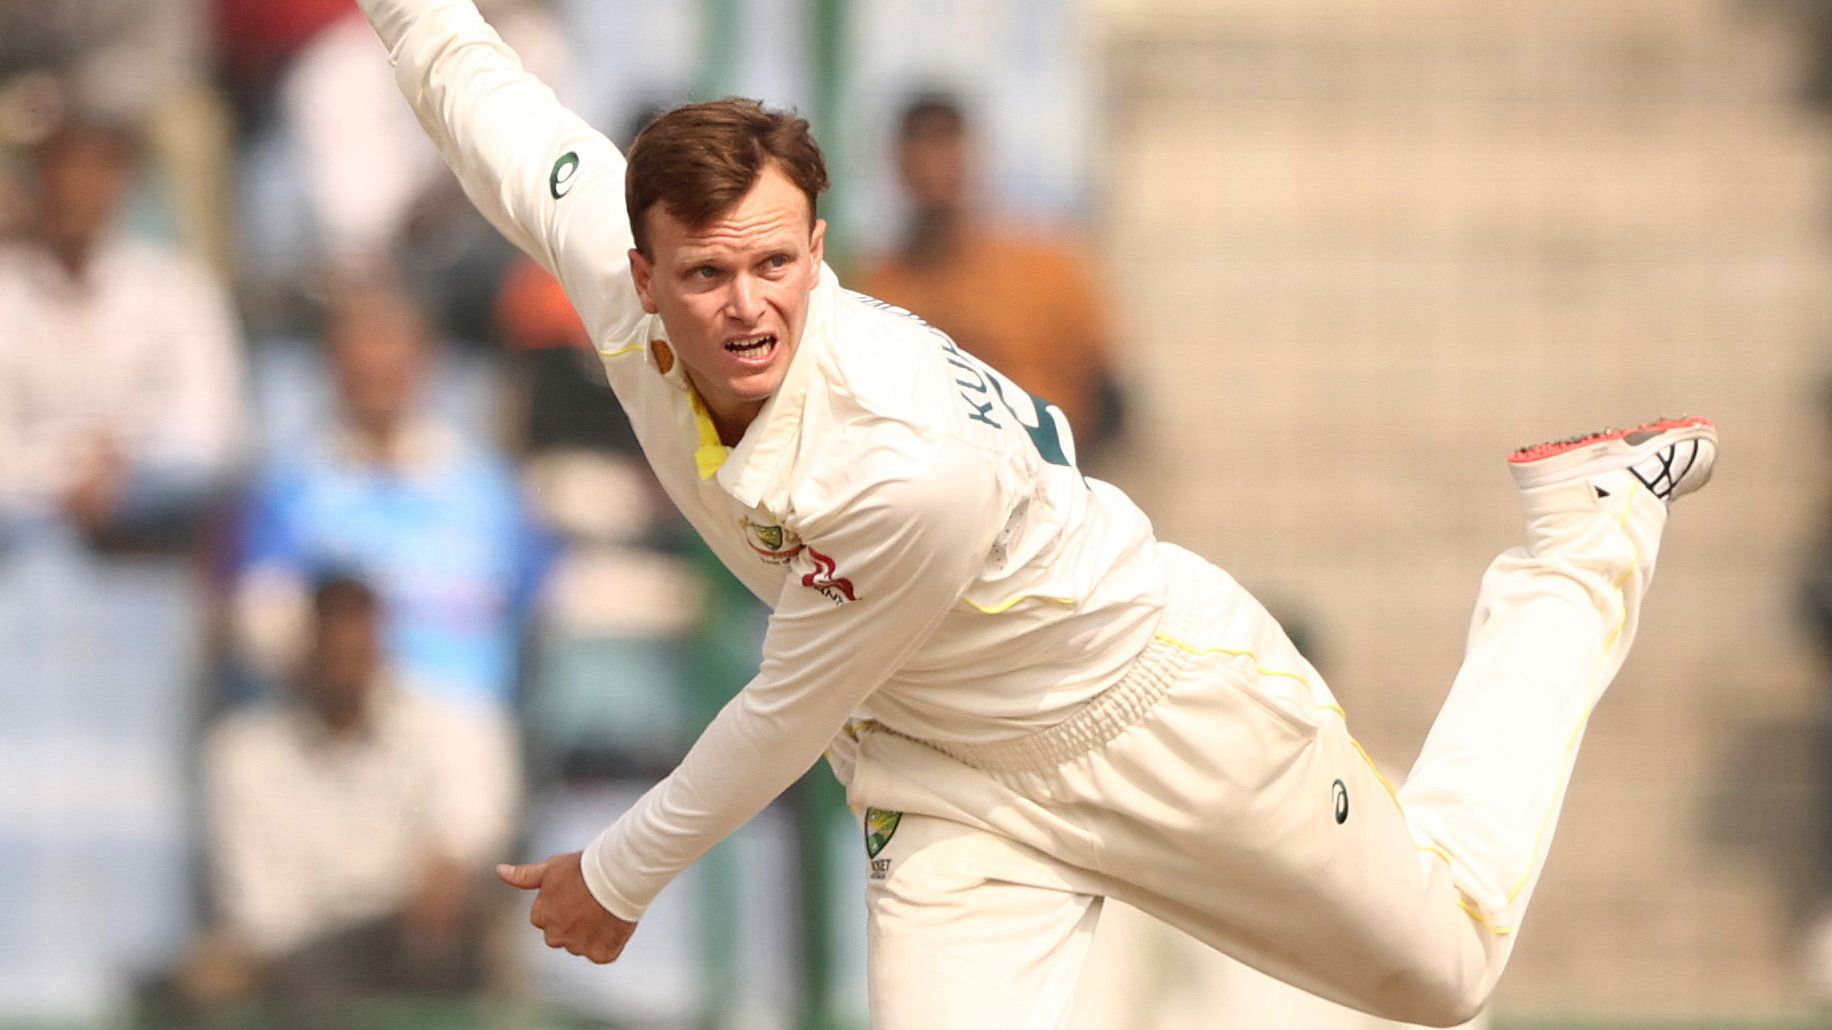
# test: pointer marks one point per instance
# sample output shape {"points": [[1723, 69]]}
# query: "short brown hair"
{"points": [[699, 159]]}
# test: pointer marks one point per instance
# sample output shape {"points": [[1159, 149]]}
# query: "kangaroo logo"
{"points": [[824, 578]]}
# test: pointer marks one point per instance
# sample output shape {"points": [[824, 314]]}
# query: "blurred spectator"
{"points": [[257, 39], [399, 496], [119, 57], [121, 409], [1026, 303], [120, 361], [132, 62], [341, 180], [351, 827]]}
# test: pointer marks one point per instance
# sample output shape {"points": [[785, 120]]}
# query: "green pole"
{"points": [[822, 800], [818, 801], [829, 23], [719, 670], [720, 665], [718, 49]]}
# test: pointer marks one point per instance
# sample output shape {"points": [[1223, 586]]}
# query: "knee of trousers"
{"points": [[1431, 998]]}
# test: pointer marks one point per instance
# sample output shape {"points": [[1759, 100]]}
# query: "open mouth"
{"points": [[752, 348]]}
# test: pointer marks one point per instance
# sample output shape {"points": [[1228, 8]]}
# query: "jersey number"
{"points": [[978, 378], [1045, 435]]}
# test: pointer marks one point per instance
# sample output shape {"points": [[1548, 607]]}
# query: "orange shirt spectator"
{"points": [[1027, 303]]}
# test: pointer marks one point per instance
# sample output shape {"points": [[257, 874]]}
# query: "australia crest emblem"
{"points": [[774, 544], [880, 826]]}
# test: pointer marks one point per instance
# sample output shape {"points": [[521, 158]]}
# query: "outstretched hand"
{"points": [[565, 910]]}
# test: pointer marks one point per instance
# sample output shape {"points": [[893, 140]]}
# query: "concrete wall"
{"points": [[1365, 250]]}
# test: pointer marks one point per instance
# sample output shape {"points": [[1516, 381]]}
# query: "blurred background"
{"points": [[329, 574]]}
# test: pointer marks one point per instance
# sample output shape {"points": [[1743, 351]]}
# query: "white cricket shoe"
{"points": [[1671, 457]]}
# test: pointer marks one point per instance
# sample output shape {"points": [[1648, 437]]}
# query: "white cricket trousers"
{"points": [[1216, 787]]}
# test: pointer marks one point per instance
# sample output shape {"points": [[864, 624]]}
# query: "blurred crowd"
{"points": [[330, 573]]}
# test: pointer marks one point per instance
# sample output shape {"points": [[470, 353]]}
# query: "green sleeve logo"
{"points": [[564, 170]]}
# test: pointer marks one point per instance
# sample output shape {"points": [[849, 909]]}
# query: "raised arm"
{"points": [[549, 182]]}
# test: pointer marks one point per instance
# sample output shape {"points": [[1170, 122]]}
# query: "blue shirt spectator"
{"points": [[396, 497]]}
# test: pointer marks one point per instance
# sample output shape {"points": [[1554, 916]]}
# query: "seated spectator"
{"points": [[120, 360], [136, 62], [1027, 303], [121, 404], [350, 829], [435, 521]]}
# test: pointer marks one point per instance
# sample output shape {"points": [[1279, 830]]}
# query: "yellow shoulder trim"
{"points": [[710, 456]]}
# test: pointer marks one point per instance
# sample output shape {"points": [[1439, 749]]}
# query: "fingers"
{"points": [[522, 877], [601, 954], [568, 917]]}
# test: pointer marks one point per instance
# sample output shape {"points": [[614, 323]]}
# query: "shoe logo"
{"points": [[1663, 480], [1342, 802], [774, 544], [835, 588]]}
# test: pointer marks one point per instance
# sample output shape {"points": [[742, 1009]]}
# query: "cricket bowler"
{"points": [[1034, 704]]}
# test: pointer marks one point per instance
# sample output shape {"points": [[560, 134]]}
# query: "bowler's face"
{"points": [[734, 294]]}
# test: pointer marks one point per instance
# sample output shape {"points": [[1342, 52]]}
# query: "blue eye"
{"points": [[778, 260], [706, 272]]}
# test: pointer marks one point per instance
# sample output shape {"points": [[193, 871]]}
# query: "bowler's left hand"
{"points": [[565, 910]]}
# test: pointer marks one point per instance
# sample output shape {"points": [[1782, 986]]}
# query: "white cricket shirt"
{"points": [[933, 558]]}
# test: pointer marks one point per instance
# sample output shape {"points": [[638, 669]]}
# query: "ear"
{"points": [[643, 272], [817, 242]]}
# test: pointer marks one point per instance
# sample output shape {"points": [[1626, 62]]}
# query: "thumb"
{"points": [[524, 877]]}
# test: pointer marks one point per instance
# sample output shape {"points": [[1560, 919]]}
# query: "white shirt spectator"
{"points": [[311, 833], [141, 354]]}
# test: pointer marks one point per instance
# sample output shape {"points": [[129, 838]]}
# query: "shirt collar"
{"points": [[763, 455]]}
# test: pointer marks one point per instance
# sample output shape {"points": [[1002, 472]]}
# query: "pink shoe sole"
{"points": [[1671, 457]]}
